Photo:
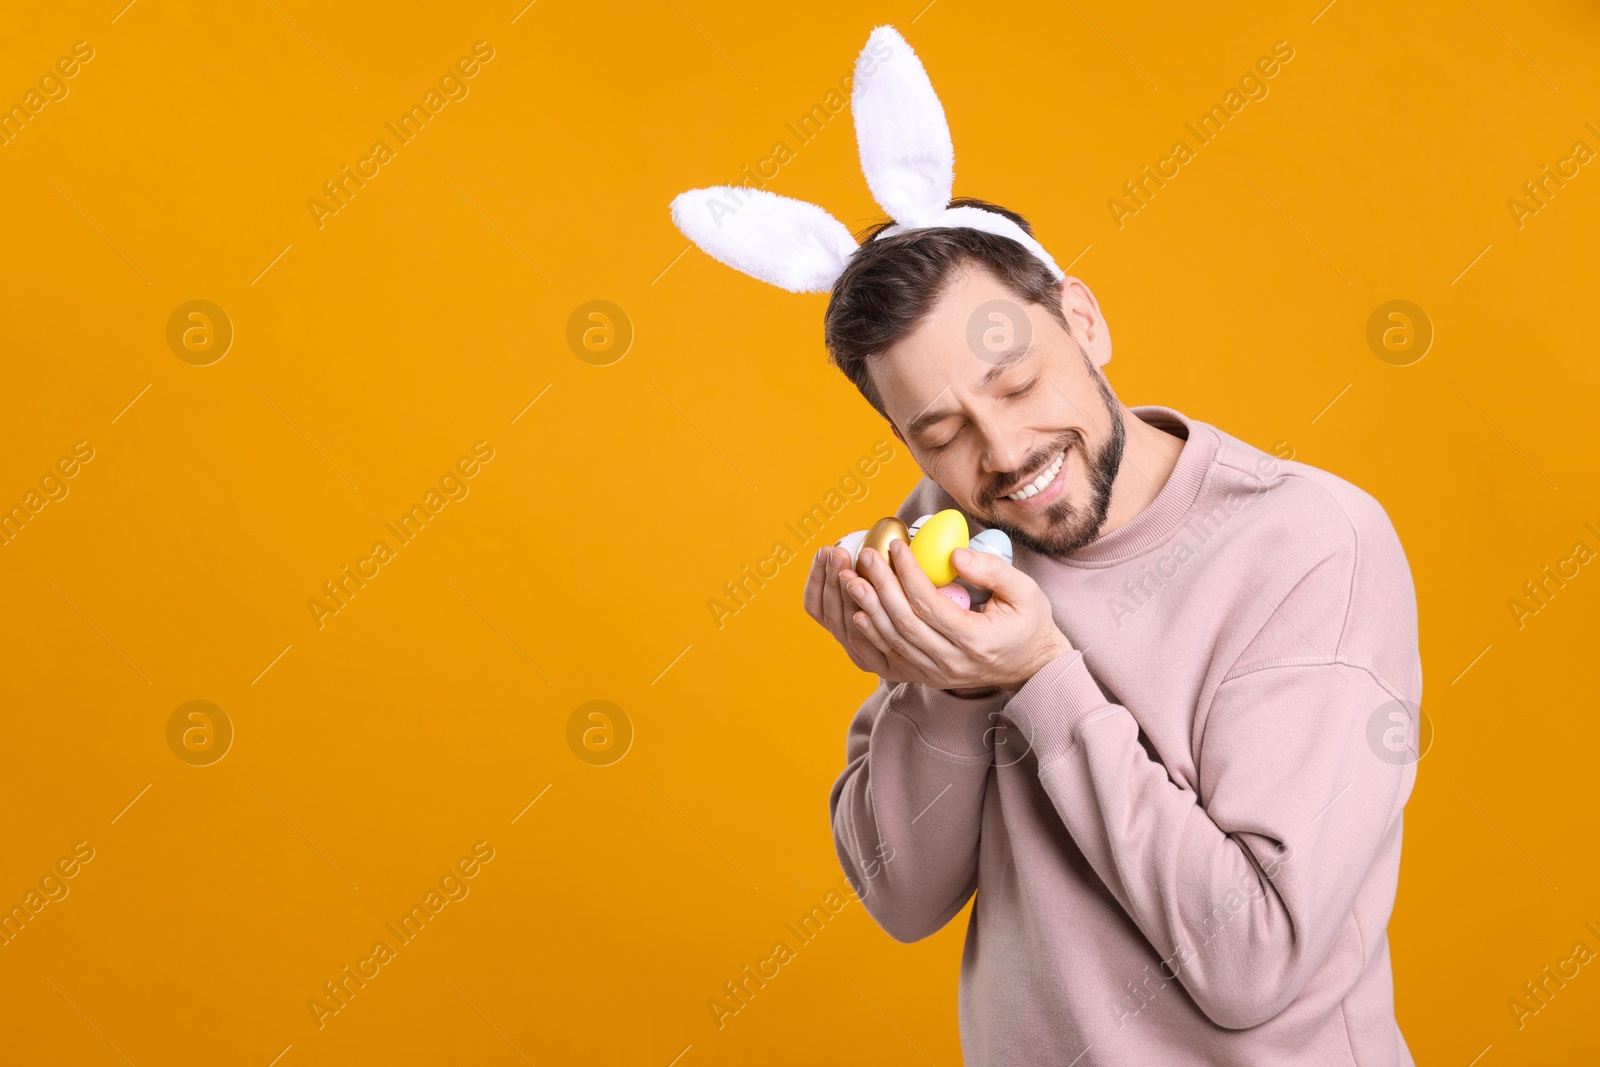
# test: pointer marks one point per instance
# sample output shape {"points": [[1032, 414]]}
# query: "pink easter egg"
{"points": [[958, 594]]}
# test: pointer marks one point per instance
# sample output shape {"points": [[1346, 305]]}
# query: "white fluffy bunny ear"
{"points": [[779, 240], [901, 132]]}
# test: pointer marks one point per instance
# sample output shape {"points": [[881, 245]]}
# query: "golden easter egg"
{"points": [[883, 531], [935, 540]]}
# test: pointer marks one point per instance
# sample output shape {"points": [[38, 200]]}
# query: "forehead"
{"points": [[968, 287]]}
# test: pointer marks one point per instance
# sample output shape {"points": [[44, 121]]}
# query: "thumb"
{"points": [[989, 571]]}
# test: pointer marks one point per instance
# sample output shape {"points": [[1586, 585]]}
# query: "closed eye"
{"points": [[1024, 391]]}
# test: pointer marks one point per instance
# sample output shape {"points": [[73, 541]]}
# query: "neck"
{"points": [[1148, 456]]}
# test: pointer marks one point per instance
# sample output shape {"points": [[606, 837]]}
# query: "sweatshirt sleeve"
{"points": [[907, 808], [1246, 881]]}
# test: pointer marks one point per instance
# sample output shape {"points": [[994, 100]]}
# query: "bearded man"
{"points": [[1161, 755]]}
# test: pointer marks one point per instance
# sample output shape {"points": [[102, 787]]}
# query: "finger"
{"points": [[868, 654], [835, 610], [905, 637], [893, 669], [880, 638], [863, 602], [912, 616], [937, 611], [993, 573], [816, 582], [862, 629], [873, 619], [838, 608]]}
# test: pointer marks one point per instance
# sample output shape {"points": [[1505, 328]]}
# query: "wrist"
{"points": [[1054, 648]]}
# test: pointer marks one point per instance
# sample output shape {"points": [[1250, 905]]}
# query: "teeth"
{"points": [[1039, 484]]}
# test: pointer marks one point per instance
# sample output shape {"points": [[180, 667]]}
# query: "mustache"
{"points": [[1037, 462]]}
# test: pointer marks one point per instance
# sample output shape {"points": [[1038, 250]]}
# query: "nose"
{"points": [[1005, 451]]}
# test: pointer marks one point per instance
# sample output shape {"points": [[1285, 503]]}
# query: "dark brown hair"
{"points": [[890, 285]]}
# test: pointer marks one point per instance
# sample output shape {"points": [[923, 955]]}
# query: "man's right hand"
{"points": [[830, 604]]}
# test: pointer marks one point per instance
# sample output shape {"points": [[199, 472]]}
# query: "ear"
{"points": [[901, 132], [1083, 312], [784, 242]]}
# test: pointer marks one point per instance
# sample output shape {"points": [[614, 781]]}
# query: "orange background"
{"points": [[370, 354]]}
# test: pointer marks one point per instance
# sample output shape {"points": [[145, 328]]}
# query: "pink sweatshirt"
{"points": [[1185, 835]]}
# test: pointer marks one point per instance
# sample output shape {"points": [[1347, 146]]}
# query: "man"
{"points": [[1164, 754]]}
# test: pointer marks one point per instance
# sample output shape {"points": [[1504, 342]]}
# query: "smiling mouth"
{"points": [[1042, 482]]}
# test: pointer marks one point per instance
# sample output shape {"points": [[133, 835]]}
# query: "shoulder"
{"points": [[1326, 553], [1321, 514]]}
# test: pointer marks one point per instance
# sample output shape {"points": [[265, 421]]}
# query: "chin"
{"points": [[1063, 527], [1058, 532]]}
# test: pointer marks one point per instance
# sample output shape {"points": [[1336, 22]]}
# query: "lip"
{"points": [[1049, 494]]}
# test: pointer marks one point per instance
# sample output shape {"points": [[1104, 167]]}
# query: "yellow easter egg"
{"points": [[938, 537]]}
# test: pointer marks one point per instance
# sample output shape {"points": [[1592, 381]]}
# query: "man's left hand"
{"points": [[929, 639]]}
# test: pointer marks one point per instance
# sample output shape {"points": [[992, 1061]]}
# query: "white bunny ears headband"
{"points": [[909, 163]]}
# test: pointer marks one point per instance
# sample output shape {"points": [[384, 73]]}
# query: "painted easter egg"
{"points": [[883, 531], [851, 543], [936, 539], [994, 542], [955, 592], [914, 527], [977, 593]]}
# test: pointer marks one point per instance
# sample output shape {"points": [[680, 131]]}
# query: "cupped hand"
{"points": [[914, 633], [828, 603]]}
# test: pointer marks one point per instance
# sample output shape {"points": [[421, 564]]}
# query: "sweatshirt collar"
{"points": [[1166, 513]]}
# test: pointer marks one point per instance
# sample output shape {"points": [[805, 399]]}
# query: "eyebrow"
{"points": [[928, 418]]}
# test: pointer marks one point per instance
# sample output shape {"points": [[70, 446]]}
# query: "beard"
{"points": [[1069, 526]]}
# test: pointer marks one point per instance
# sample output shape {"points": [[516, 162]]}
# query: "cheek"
{"points": [[936, 465], [1041, 420], [1070, 412], [959, 470]]}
